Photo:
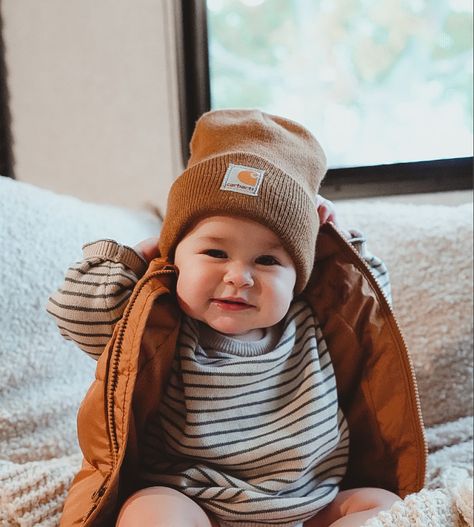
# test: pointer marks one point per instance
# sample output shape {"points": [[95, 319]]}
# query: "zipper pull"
{"points": [[99, 492]]}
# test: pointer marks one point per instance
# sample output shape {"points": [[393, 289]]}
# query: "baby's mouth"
{"points": [[232, 304]]}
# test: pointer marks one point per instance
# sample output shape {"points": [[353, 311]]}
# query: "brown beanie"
{"points": [[250, 164]]}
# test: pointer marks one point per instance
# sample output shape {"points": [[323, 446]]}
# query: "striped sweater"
{"points": [[252, 431]]}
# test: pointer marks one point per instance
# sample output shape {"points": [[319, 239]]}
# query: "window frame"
{"points": [[340, 183], [6, 150]]}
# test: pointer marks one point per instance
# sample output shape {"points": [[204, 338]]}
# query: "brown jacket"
{"points": [[376, 384]]}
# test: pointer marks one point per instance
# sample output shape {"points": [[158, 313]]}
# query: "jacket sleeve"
{"points": [[95, 293], [376, 265]]}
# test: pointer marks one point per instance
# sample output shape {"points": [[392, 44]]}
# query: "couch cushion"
{"points": [[428, 251]]}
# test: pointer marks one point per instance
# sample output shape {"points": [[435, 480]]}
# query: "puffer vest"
{"points": [[375, 378]]}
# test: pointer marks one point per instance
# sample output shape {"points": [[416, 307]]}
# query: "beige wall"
{"points": [[93, 97]]}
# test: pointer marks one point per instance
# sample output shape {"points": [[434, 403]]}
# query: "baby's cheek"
{"points": [[190, 295], [285, 298], [182, 293]]}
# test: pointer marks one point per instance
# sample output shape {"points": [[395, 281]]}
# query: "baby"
{"points": [[243, 425]]}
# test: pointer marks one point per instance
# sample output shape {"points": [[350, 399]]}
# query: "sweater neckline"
{"points": [[212, 340]]}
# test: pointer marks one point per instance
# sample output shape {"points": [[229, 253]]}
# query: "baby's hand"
{"points": [[148, 248], [327, 212]]}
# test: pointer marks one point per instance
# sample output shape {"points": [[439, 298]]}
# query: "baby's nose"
{"points": [[239, 276]]}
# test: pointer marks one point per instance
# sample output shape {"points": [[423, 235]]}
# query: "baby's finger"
{"points": [[148, 248], [326, 213], [323, 214]]}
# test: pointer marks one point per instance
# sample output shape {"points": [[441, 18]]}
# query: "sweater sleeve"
{"points": [[376, 265], [95, 293]]}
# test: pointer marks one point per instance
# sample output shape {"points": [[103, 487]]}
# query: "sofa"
{"points": [[428, 250]]}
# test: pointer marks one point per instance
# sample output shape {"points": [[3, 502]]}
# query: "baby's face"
{"points": [[234, 275]]}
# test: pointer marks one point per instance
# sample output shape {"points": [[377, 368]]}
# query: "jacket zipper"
{"points": [[95, 497], [112, 385], [408, 361]]}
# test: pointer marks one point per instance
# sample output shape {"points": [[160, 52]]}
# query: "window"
{"points": [[383, 84], [377, 81]]}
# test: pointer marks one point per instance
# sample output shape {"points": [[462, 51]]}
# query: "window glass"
{"points": [[377, 81]]}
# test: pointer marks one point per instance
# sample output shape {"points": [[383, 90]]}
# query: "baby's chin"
{"points": [[227, 325]]}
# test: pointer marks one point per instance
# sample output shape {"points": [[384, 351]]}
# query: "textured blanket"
{"points": [[33, 492], [43, 378]]}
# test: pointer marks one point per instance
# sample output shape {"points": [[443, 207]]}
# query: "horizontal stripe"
{"points": [[85, 322], [274, 508], [251, 438], [75, 308], [86, 344], [101, 284], [261, 404], [106, 267], [123, 289], [243, 385], [257, 460], [94, 356], [258, 414], [80, 334], [263, 478], [238, 395]]}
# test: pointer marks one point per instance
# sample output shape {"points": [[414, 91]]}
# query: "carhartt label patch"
{"points": [[242, 179]]}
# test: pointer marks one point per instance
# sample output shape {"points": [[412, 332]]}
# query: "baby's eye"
{"points": [[266, 259], [215, 253]]}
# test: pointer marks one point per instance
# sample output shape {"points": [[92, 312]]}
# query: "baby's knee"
{"points": [[369, 498], [160, 507]]}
